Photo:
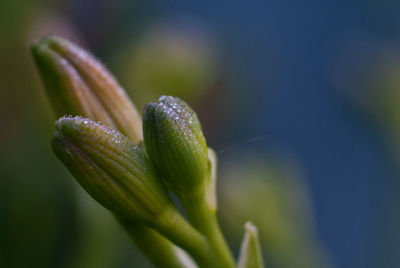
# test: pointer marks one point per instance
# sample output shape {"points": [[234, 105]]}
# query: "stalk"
{"points": [[174, 227], [159, 250], [205, 221]]}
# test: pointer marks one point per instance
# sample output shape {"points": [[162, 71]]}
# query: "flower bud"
{"points": [[250, 250], [78, 84], [113, 170], [174, 141]]}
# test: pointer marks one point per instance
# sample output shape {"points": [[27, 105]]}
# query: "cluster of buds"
{"points": [[130, 167]]}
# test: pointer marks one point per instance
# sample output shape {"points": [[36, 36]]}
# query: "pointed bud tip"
{"points": [[48, 50], [148, 110], [166, 99], [69, 125], [173, 106], [251, 228], [50, 41], [76, 127], [68, 129], [40, 50], [44, 44], [71, 121], [250, 250]]}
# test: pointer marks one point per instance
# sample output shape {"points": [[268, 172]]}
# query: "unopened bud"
{"points": [[112, 169], [78, 84], [174, 141], [250, 250]]}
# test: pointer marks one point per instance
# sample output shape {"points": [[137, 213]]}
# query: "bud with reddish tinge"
{"points": [[78, 84]]}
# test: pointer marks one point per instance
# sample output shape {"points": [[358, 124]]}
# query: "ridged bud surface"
{"points": [[175, 142], [112, 169], [78, 84]]}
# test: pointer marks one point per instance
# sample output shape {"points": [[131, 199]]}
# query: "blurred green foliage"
{"points": [[274, 197], [168, 61]]}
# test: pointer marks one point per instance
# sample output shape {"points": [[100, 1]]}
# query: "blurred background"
{"points": [[300, 101]]}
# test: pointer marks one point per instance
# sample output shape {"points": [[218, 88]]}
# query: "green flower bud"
{"points": [[78, 84], [113, 170], [250, 250], [174, 141]]}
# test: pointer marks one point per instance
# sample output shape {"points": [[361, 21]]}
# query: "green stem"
{"points": [[160, 251], [206, 222], [174, 227]]}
